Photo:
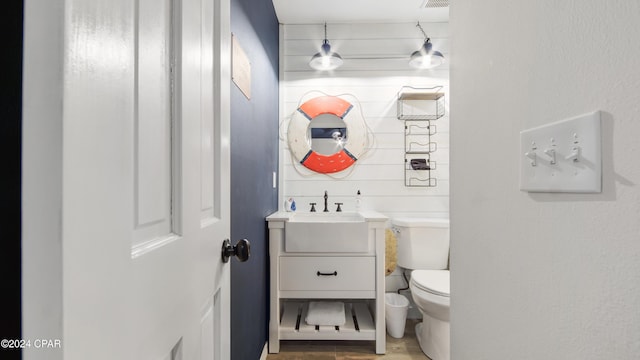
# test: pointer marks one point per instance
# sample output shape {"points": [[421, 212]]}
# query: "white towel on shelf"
{"points": [[325, 313]]}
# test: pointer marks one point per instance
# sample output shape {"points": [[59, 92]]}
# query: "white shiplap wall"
{"points": [[375, 68]]}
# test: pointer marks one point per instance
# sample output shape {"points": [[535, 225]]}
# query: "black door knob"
{"points": [[241, 250]]}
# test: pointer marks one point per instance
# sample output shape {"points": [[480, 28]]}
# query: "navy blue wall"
{"points": [[254, 157]]}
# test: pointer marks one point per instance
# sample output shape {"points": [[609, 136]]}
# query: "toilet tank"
{"points": [[423, 244]]}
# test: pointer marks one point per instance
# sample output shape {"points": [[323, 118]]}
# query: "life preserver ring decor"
{"points": [[300, 144]]}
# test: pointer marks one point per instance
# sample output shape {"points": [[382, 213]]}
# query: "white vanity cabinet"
{"points": [[330, 269]]}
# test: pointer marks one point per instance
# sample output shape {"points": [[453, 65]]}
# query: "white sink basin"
{"points": [[327, 232], [327, 217]]}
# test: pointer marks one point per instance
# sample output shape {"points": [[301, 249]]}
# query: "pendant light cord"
{"points": [[426, 38]]}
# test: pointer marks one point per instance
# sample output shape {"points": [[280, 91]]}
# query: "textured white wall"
{"points": [[546, 276]]}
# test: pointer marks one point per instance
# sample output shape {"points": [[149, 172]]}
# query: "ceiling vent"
{"points": [[435, 3]]}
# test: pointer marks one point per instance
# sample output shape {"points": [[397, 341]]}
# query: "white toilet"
{"points": [[423, 247]]}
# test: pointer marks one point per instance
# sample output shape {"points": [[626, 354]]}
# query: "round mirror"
{"points": [[326, 134]]}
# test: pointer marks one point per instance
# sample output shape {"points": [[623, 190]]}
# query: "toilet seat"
{"points": [[435, 282]]}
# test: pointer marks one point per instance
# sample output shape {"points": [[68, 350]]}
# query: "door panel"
{"points": [[153, 115], [144, 204], [185, 275], [207, 348], [207, 149], [154, 122]]}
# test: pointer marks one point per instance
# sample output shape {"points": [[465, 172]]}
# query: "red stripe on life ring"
{"points": [[328, 164], [325, 105]]}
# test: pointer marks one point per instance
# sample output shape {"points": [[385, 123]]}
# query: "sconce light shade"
{"points": [[325, 59], [426, 57]]}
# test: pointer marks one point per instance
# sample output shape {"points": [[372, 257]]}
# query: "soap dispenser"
{"points": [[358, 200], [290, 205]]}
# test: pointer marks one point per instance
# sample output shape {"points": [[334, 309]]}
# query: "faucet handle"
{"points": [[313, 207], [338, 209]]}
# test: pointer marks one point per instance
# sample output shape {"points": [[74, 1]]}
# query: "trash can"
{"points": [[396, 307]]}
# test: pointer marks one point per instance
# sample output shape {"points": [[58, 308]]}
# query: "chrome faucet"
{"points": [[326, 197]]}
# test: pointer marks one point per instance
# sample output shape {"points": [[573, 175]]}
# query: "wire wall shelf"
{"points": [[417, 137], [417, 170], [420, 103], [418, 107]]}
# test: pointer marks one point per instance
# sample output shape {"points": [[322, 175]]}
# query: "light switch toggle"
{"points": [[574, 154], [532, 156], [551, 153]]}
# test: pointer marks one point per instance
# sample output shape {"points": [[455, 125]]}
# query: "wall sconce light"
{"points": [[426, 57], [325, 59]]}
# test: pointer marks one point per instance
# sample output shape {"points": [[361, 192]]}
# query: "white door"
{"points": [[126, 135]]}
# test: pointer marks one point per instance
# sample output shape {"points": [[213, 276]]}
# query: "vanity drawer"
{"points": [[327, 273]]}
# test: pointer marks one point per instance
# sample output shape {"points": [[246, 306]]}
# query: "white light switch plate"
{"points": [[547, 156]]}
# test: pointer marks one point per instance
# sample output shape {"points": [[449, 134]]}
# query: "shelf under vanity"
{"points": [[359, 323]]}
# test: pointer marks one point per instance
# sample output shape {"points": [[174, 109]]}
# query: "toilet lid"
{"points": [[421, 222], [433, 281]]}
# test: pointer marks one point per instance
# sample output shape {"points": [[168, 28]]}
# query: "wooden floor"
{"points": [[397, 349]]}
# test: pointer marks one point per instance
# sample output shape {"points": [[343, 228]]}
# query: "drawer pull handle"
{"points": [[335, 273]]}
